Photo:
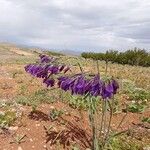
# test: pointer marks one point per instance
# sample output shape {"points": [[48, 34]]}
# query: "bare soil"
{"points": [[70, 129]]}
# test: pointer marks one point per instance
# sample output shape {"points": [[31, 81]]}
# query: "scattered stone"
{"points": [[33, 146], [13, 128], [20, 148], [2, 113], [37, 125], [146, 148], [44, 146], [52, 107], [31, 140]]}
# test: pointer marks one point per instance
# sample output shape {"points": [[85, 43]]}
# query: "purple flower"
{"points": [[79, 86], [61, 79], [107, 91], [115, 86], [88, 86], [42, 71], [53, 69], [27, 67], [96, 86], [41, 56], [37, 70], [67, 83], [49, 82], [32, 69], [46, 59]]}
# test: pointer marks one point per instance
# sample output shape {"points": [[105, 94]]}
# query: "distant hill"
{"points": [[70, 52], [19, 49], [33, 49]]}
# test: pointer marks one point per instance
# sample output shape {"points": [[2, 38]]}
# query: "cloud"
{"points": [[76, 24]]}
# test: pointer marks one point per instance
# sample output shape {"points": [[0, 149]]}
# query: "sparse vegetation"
{"points": [[7, 118], [26, 106], [54, 114], [18, 139]]}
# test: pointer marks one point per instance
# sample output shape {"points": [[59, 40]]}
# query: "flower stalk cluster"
{"points": [[80, 84], [95, 86], [46, 69]]}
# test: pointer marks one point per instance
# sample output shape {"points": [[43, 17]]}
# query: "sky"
{"points": [[81, 25]]}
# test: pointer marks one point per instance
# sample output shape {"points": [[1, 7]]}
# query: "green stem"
{"points": [[109, 124], [105, 117], [123, 118], [106, 69], [92, 120], [102, 119], [97, 63]]}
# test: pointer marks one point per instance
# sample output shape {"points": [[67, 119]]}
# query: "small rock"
{"points": [[13, 128], [33, 146], [37, 125], [2, 113], [146, 148], [44, 146], [31, 140], [20, 148], [52, 107]]}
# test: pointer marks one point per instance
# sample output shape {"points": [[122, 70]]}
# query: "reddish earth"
{"points": [[68, 130], [32, 125], [71, 129]]}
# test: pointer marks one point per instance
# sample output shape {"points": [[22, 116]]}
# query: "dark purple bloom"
{"points": [[49, 82], [31, 69], [115, 86], [96, 86], [41, 56], [46, 59], [88, 86], [41, 71], [79, 86], [95, 90], [53, 69], [107, 91], [37, 70], [61, 79], [67, 83], [27, 67]]}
